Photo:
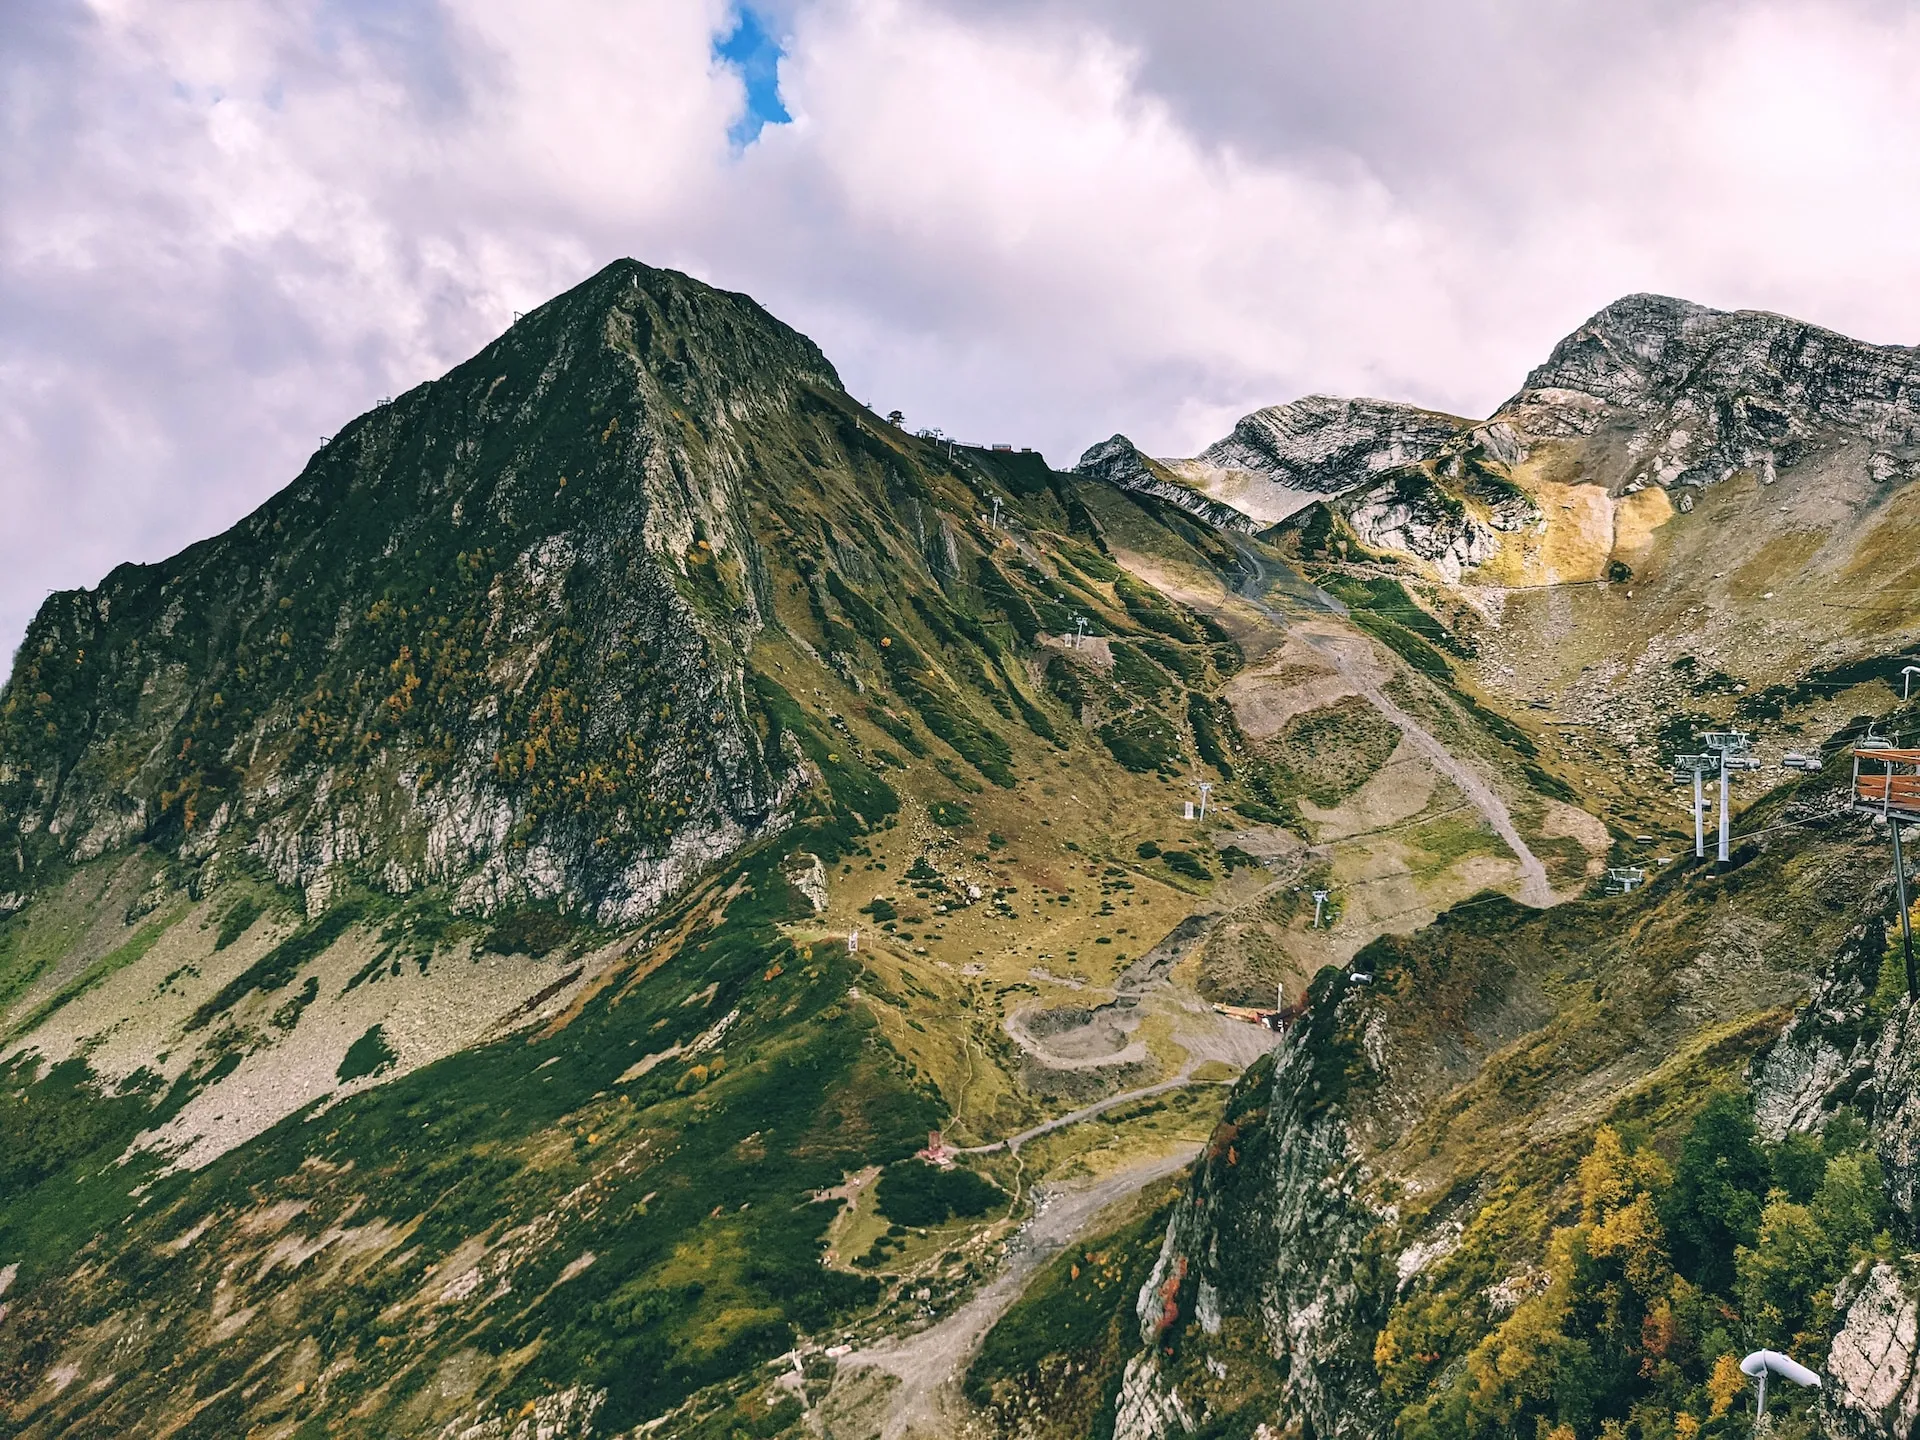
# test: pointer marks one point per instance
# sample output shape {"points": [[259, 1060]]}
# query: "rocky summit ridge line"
{"points": [[429, 1001], [492, 637]]}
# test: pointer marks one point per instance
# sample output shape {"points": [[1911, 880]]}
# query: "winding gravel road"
{"points": [[929, 1365], [1535, 889]]}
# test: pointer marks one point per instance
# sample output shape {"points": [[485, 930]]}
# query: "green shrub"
{"points": [[528, 932], [912, 1192], [1185, 862], [369, 1055]]}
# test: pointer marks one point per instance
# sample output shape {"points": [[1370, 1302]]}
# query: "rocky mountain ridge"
{"points": [[1685, 395], [559, 521], [429, 982]]}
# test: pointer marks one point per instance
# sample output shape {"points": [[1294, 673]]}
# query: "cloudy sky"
{"points": [[227, 226]]}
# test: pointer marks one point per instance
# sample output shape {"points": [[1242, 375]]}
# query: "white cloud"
{"points": [[229, 224]]}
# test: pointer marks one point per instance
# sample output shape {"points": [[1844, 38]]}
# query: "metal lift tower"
{"points": [[1886, 783], [1696, 766], [1732, 747]]}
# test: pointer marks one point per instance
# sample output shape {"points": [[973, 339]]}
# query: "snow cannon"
{"points": [[1761, 1363]]}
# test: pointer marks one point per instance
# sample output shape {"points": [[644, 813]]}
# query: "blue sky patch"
{"points": [[751, 50]]}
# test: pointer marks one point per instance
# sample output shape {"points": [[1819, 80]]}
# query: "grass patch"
{"points": [[369, 1055], [916, 1193], [1143, 741], [1327, 754], [116, 959]]}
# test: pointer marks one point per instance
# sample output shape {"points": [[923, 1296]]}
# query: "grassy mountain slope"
{"points": [[428, 1003], [425, 984]]}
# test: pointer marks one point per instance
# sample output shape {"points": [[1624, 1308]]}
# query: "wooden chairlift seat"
{"points": [[1887, 782]]}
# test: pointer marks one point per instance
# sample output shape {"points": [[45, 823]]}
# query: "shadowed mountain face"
{"points": [[491, 638]]}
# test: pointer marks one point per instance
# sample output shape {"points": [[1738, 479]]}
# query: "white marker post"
{"points": [[1319, 903], [1697, 766], [1206, 789]]}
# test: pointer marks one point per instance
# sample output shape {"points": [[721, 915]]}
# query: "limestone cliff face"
{"points": [[1650, 392], [1871, 1378], [1328, 444], [1671, 393], [1451, 527], [492, 637], [1871, 1385], [1838, 1050], [1283, 458]]}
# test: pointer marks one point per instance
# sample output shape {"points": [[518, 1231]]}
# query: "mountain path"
{"points": [[1087, 1112], [1535, 889], [930, 1364]]}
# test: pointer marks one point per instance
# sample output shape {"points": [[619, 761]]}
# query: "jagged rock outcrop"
{"points": [[1896, 1111], [1272, 1234], [1327, 444], [1825, 1054], [1870, 1385], [1281, 459], [1836, 1051], [1649, 391], [491, 638], [1120, 464], [1410, 513], [1662, 391], [1839, 1050]]}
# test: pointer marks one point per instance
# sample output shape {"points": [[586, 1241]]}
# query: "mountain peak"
{"points": [[546, 554], [1723, 390], [1325, 443]]}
